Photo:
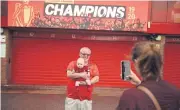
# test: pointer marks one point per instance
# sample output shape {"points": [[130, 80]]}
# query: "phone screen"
{"points": [[125, 69]]}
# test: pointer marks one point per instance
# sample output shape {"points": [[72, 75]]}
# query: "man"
{"points": [[81, 98]]}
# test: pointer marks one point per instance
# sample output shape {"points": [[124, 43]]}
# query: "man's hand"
{"points": [[77, 83], [88, 81], [94, 80], [82, 83], [84, 75]]}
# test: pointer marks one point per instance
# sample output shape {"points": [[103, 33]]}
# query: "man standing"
{"points": [[81, 98]]}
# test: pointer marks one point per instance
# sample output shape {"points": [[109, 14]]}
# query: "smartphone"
{"points": [[125, 69]]}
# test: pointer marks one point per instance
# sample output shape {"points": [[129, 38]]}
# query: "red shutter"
{"points": [[172, 63], [44, 61]]}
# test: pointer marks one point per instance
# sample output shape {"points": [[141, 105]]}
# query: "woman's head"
{"points": [[147, 59]]}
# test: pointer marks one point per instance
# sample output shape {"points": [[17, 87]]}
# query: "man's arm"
{"points": [[70, 71], [95, 79], [71, 74], [95, 73]]}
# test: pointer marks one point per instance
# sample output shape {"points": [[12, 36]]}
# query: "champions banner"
{"points": [[72, 14]]}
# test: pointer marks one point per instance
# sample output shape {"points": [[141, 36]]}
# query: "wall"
{"points": [[164, 17], [4, 18], [5, 61], [165, 11]]}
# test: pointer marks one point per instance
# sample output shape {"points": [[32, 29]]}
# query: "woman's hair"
{"points": [[148, 59]]}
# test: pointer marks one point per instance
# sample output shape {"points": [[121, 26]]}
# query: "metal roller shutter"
{"points": [[44, 61], [172, 63]]}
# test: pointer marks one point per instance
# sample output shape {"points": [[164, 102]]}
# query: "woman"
{"points": [[148, 63]]}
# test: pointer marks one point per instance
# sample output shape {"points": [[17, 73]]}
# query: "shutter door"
{"points": [[44, 61], [172, 63]]}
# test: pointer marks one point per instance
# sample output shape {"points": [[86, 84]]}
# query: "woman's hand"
{"points": [[134, 79]]}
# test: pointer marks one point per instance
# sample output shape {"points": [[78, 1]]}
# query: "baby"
{"points": [[82, 68]]}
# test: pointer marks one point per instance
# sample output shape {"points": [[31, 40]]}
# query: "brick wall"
{"points": [[5, 65]]}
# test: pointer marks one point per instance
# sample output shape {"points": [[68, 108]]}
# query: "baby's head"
{"points": [[80, 62]]}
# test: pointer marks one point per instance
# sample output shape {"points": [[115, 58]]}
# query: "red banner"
{"points": [[71, 14]]}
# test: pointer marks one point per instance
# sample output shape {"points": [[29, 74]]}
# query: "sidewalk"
{"points": [[39, 89]]}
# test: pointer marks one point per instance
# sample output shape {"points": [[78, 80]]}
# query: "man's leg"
{"points": [[72, 104], [86, 105]]}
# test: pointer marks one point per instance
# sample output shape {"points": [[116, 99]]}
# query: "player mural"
{"points": [[72, 14]]}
